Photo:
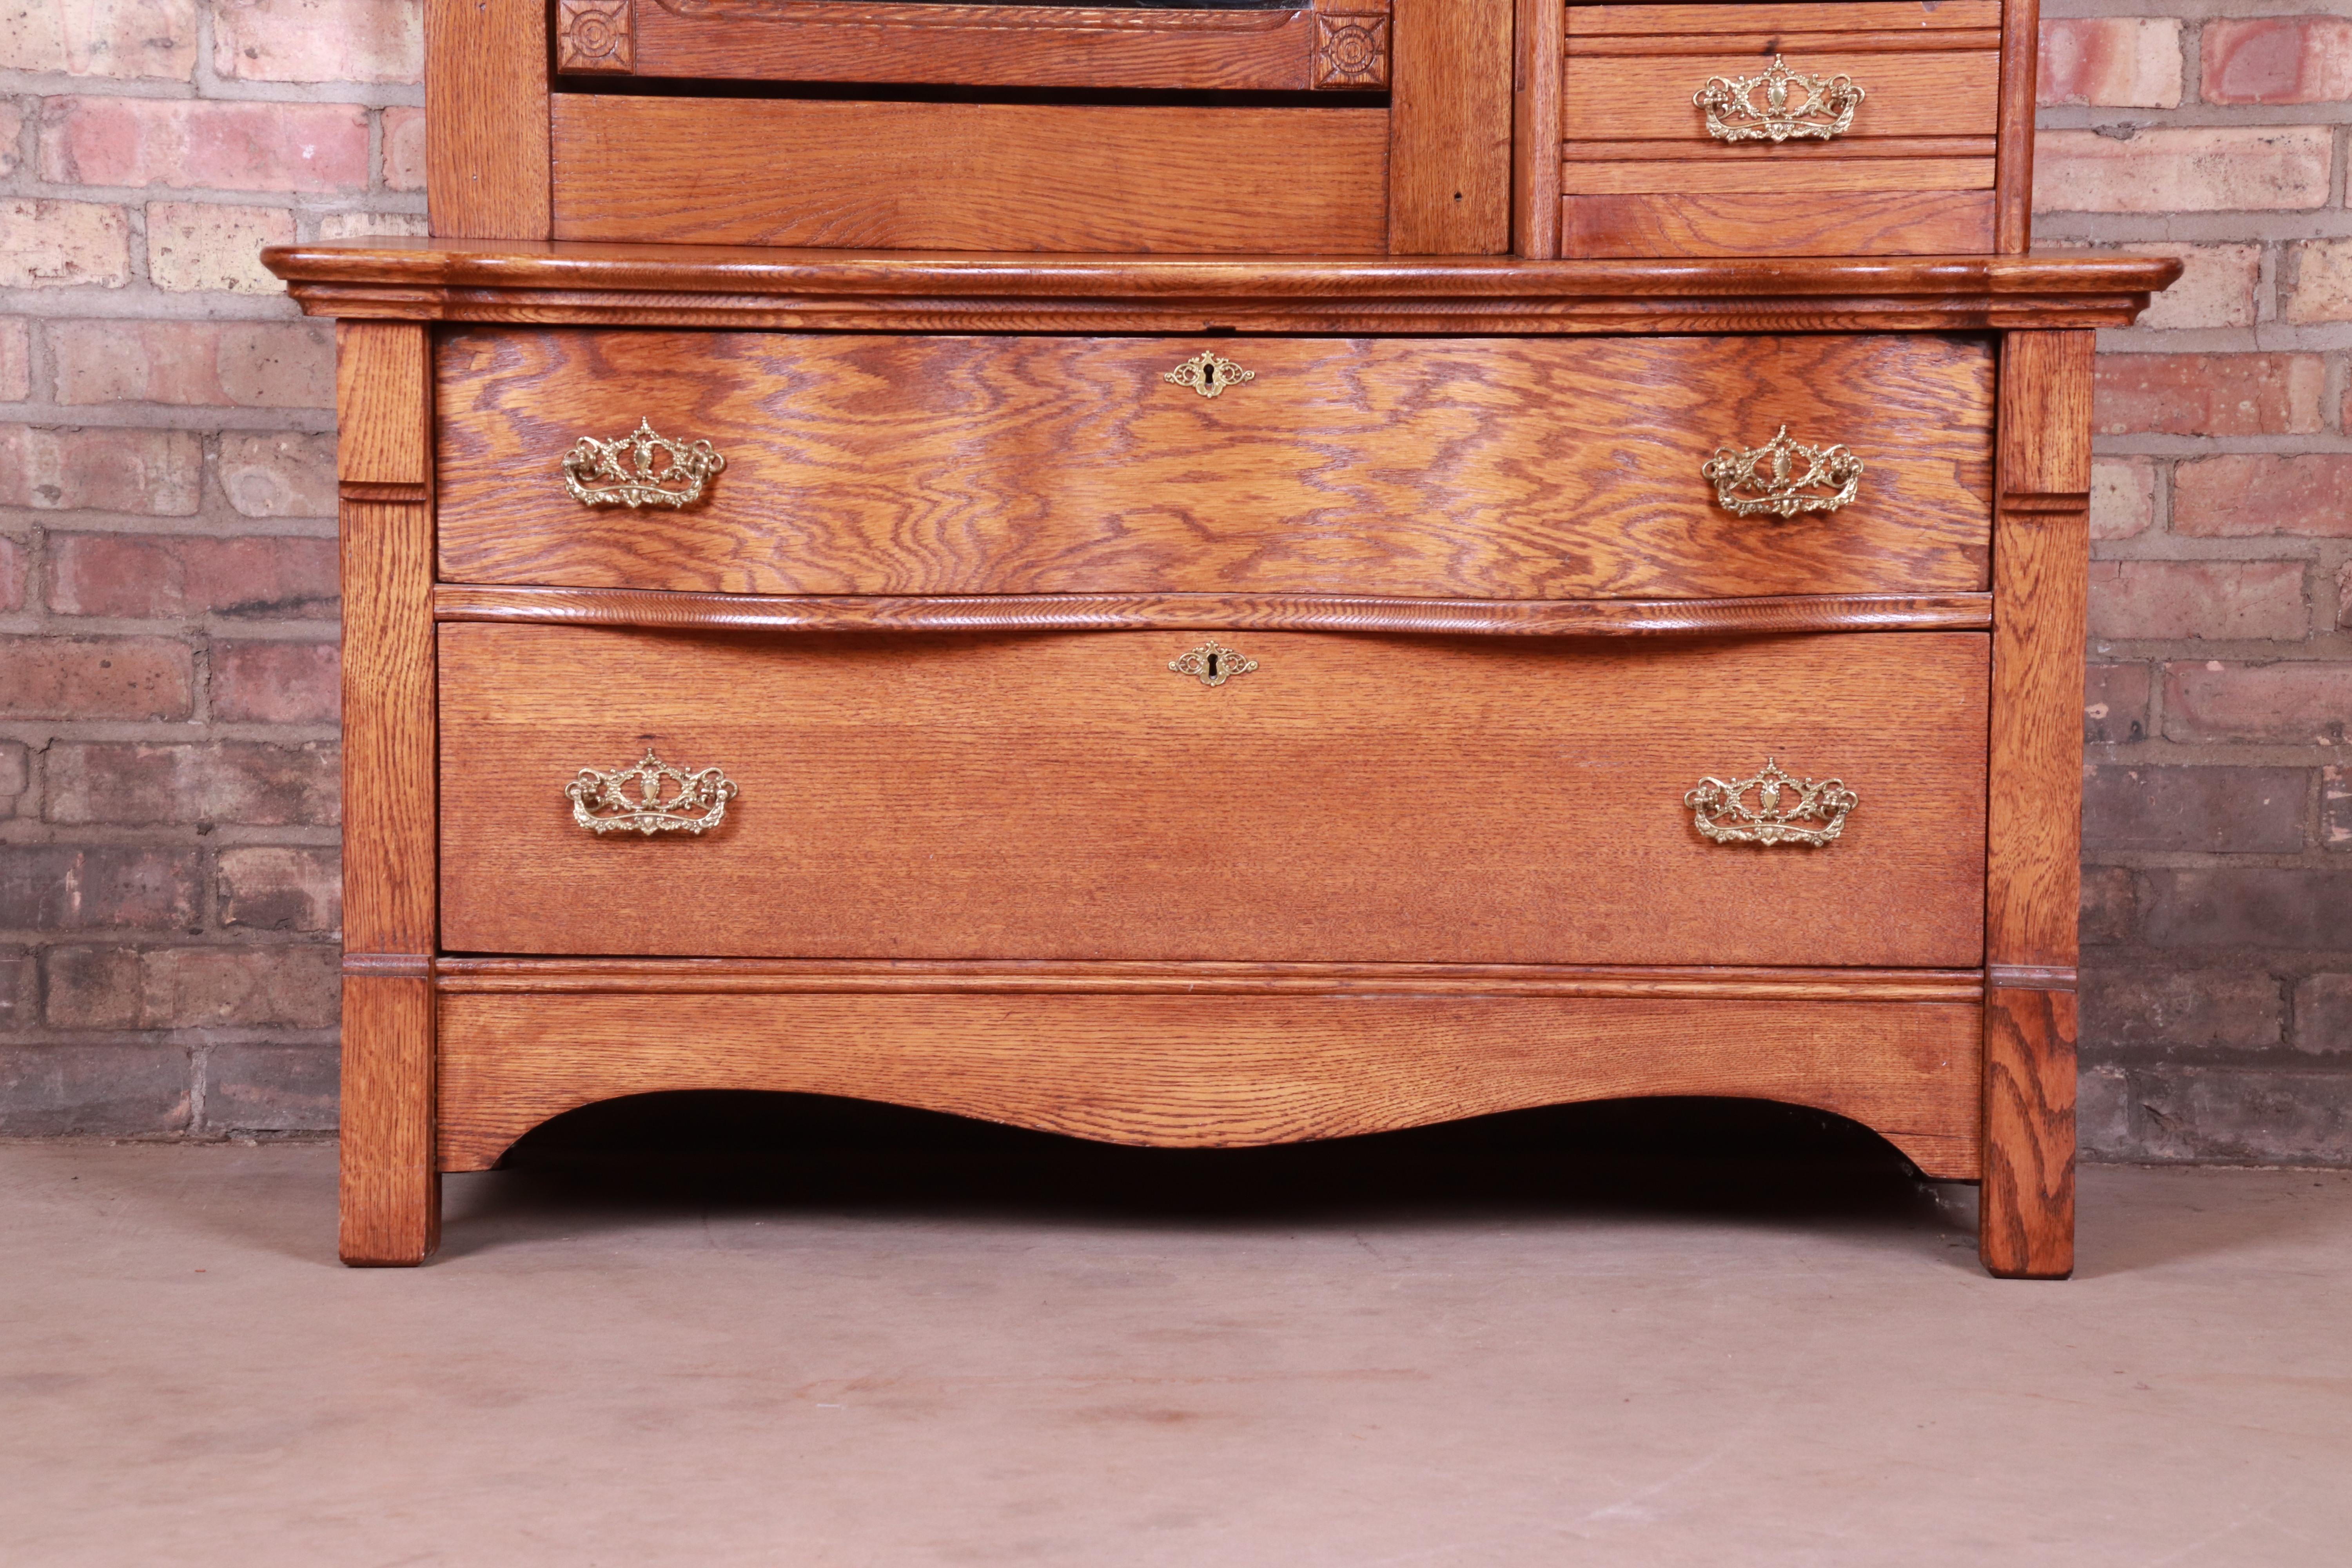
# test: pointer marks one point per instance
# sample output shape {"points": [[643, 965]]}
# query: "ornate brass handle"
{"points": [[622, 472], [1750, 480], [1732, 115], [601, 803], [1720, 810], [1208, 373]]}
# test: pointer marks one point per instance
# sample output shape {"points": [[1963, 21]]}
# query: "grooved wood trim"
{"points": [[1656, 23], [485, 105], [2014, 182], [1450, 129], [390, 1196], [397, 966], [1210, 1071], [752, 287], [2030, 977], [551, 976], [2026, 1211], [359, 490], [1806, 46], [1536, 129], [1211, 612]]}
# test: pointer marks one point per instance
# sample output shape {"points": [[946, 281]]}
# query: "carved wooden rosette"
{"points": [[1351, 48], [596, 36]]}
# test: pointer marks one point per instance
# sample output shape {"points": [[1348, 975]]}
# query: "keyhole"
{"points": [[1212, 666]]}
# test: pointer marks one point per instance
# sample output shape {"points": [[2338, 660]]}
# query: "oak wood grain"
{"points": [[1355, 798], [1759, 48], [1535, 128], [2021, 60], [1807, 176], [1196, 1072], [970, 176], [389, 1192], [1210, 612], [1705, 21], [485, 110], [1478, 467], [1642, 98], [2026, 1210], [1726, 223], [1450, 129]]}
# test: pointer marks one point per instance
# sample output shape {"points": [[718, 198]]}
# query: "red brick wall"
{"points": [[167, 877]]}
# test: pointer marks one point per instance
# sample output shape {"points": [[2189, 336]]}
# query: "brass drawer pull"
{"points": [[1732, 115], [1720, 808], [1208, 373], [601, 803], [1213, 663], [622, 472], [1767, 478]]}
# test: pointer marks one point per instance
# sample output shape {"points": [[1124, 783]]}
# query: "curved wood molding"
{"points": [[744, 285], [1211, 612], [1209, 1071]]}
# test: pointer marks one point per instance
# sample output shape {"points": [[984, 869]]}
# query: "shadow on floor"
{"points": [[1723, 1160]]}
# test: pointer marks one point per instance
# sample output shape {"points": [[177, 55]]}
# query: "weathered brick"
{"points": [[95, 678], [2248, 493], [2174, 1009], [2123, 497], [245, 986], [63, 245], [2335, 808], [118, 1090], [2242, 1117], [12, 128], [250, 364], [2106, 904], [13, 556], [271, 474], [2216, 600], [15, 360], [319, 40], [2219, 285], [246, 781], [100, 37], [2322, 287], [2209, 394], [2247, 906], [2124, 61], [2276, 60], [2294, 701], [2103, 1114], [404, 148], [2183, 169], [368, 226], [2323, 1014], [2115, 703], [200, 144], [56, 887], [277, 682], [20, 996], [272, 1089], [194, 246], [146, 576], [270, 888], [2214, 809], [15, 774], [157, 473]]}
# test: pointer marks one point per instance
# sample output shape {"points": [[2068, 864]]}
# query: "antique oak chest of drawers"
{"points": [[1210, 577]]}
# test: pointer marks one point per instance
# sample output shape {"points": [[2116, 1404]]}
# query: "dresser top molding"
{"points": [[730, 287]]}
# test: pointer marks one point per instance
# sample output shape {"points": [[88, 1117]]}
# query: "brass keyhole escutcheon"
{"points": [[1208, 373], [1213, 663]]}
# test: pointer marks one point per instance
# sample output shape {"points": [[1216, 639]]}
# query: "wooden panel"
{"points": [[1355, 798], [390, 1197], [1609, 98], [1210, 1071], [1703, 21], [1922, 223], [1481, 467], [971, 176], [486, 165], [2026, 1214], [1804, 174], [1536, 129], [1209, 612], [1450, 129], [2020, 58]]}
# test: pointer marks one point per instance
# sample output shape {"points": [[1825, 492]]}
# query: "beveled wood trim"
{"points": [[1804, 19], [744, 976], [2053, 501], [754, 287], [1938, 41], [1535, 128], [1450, 128], [394, 965], [416, 492], [2020, 27], [2031, 977], [1208, 612], [486, 170], [1213, 1071]]}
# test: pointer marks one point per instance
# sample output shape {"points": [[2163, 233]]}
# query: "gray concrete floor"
{"points": [[1075, 1367]]}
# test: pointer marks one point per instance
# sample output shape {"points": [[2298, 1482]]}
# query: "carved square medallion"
{"points": [[1351, 48], [596, 36]]}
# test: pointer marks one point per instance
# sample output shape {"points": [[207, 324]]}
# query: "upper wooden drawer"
{"points": [[1477, 467]]}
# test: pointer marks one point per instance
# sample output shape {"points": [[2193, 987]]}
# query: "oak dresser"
{"points": [[1217, 576]]}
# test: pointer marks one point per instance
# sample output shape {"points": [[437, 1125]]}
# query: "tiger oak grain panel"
{"points": [[1353, 799], [1774, 223], [1483, 467]]}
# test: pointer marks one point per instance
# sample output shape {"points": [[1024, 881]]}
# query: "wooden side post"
{"points": [[1450, 128], [486, 166], [2021, 45], [2040, 575], [383, 461], [1537, 81]]}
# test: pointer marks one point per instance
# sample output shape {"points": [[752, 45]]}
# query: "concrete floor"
{"points": [[1083, 1363]]}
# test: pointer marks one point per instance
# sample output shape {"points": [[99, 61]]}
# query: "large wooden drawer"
{"points": [[1478, 467], [1351, 799]]}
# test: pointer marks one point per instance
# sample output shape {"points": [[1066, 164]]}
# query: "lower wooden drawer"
{"points": [[1348, 799]]}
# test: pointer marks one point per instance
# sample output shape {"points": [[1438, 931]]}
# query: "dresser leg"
{"points": [[391, 1187], [2025, 1227]]}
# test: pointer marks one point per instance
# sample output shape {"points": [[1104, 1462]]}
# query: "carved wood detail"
{"points": [[596, 36], [1351, 49]]}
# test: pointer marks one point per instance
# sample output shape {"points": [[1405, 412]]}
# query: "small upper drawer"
{"points": [[1476, 468], [1780, 129]]}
